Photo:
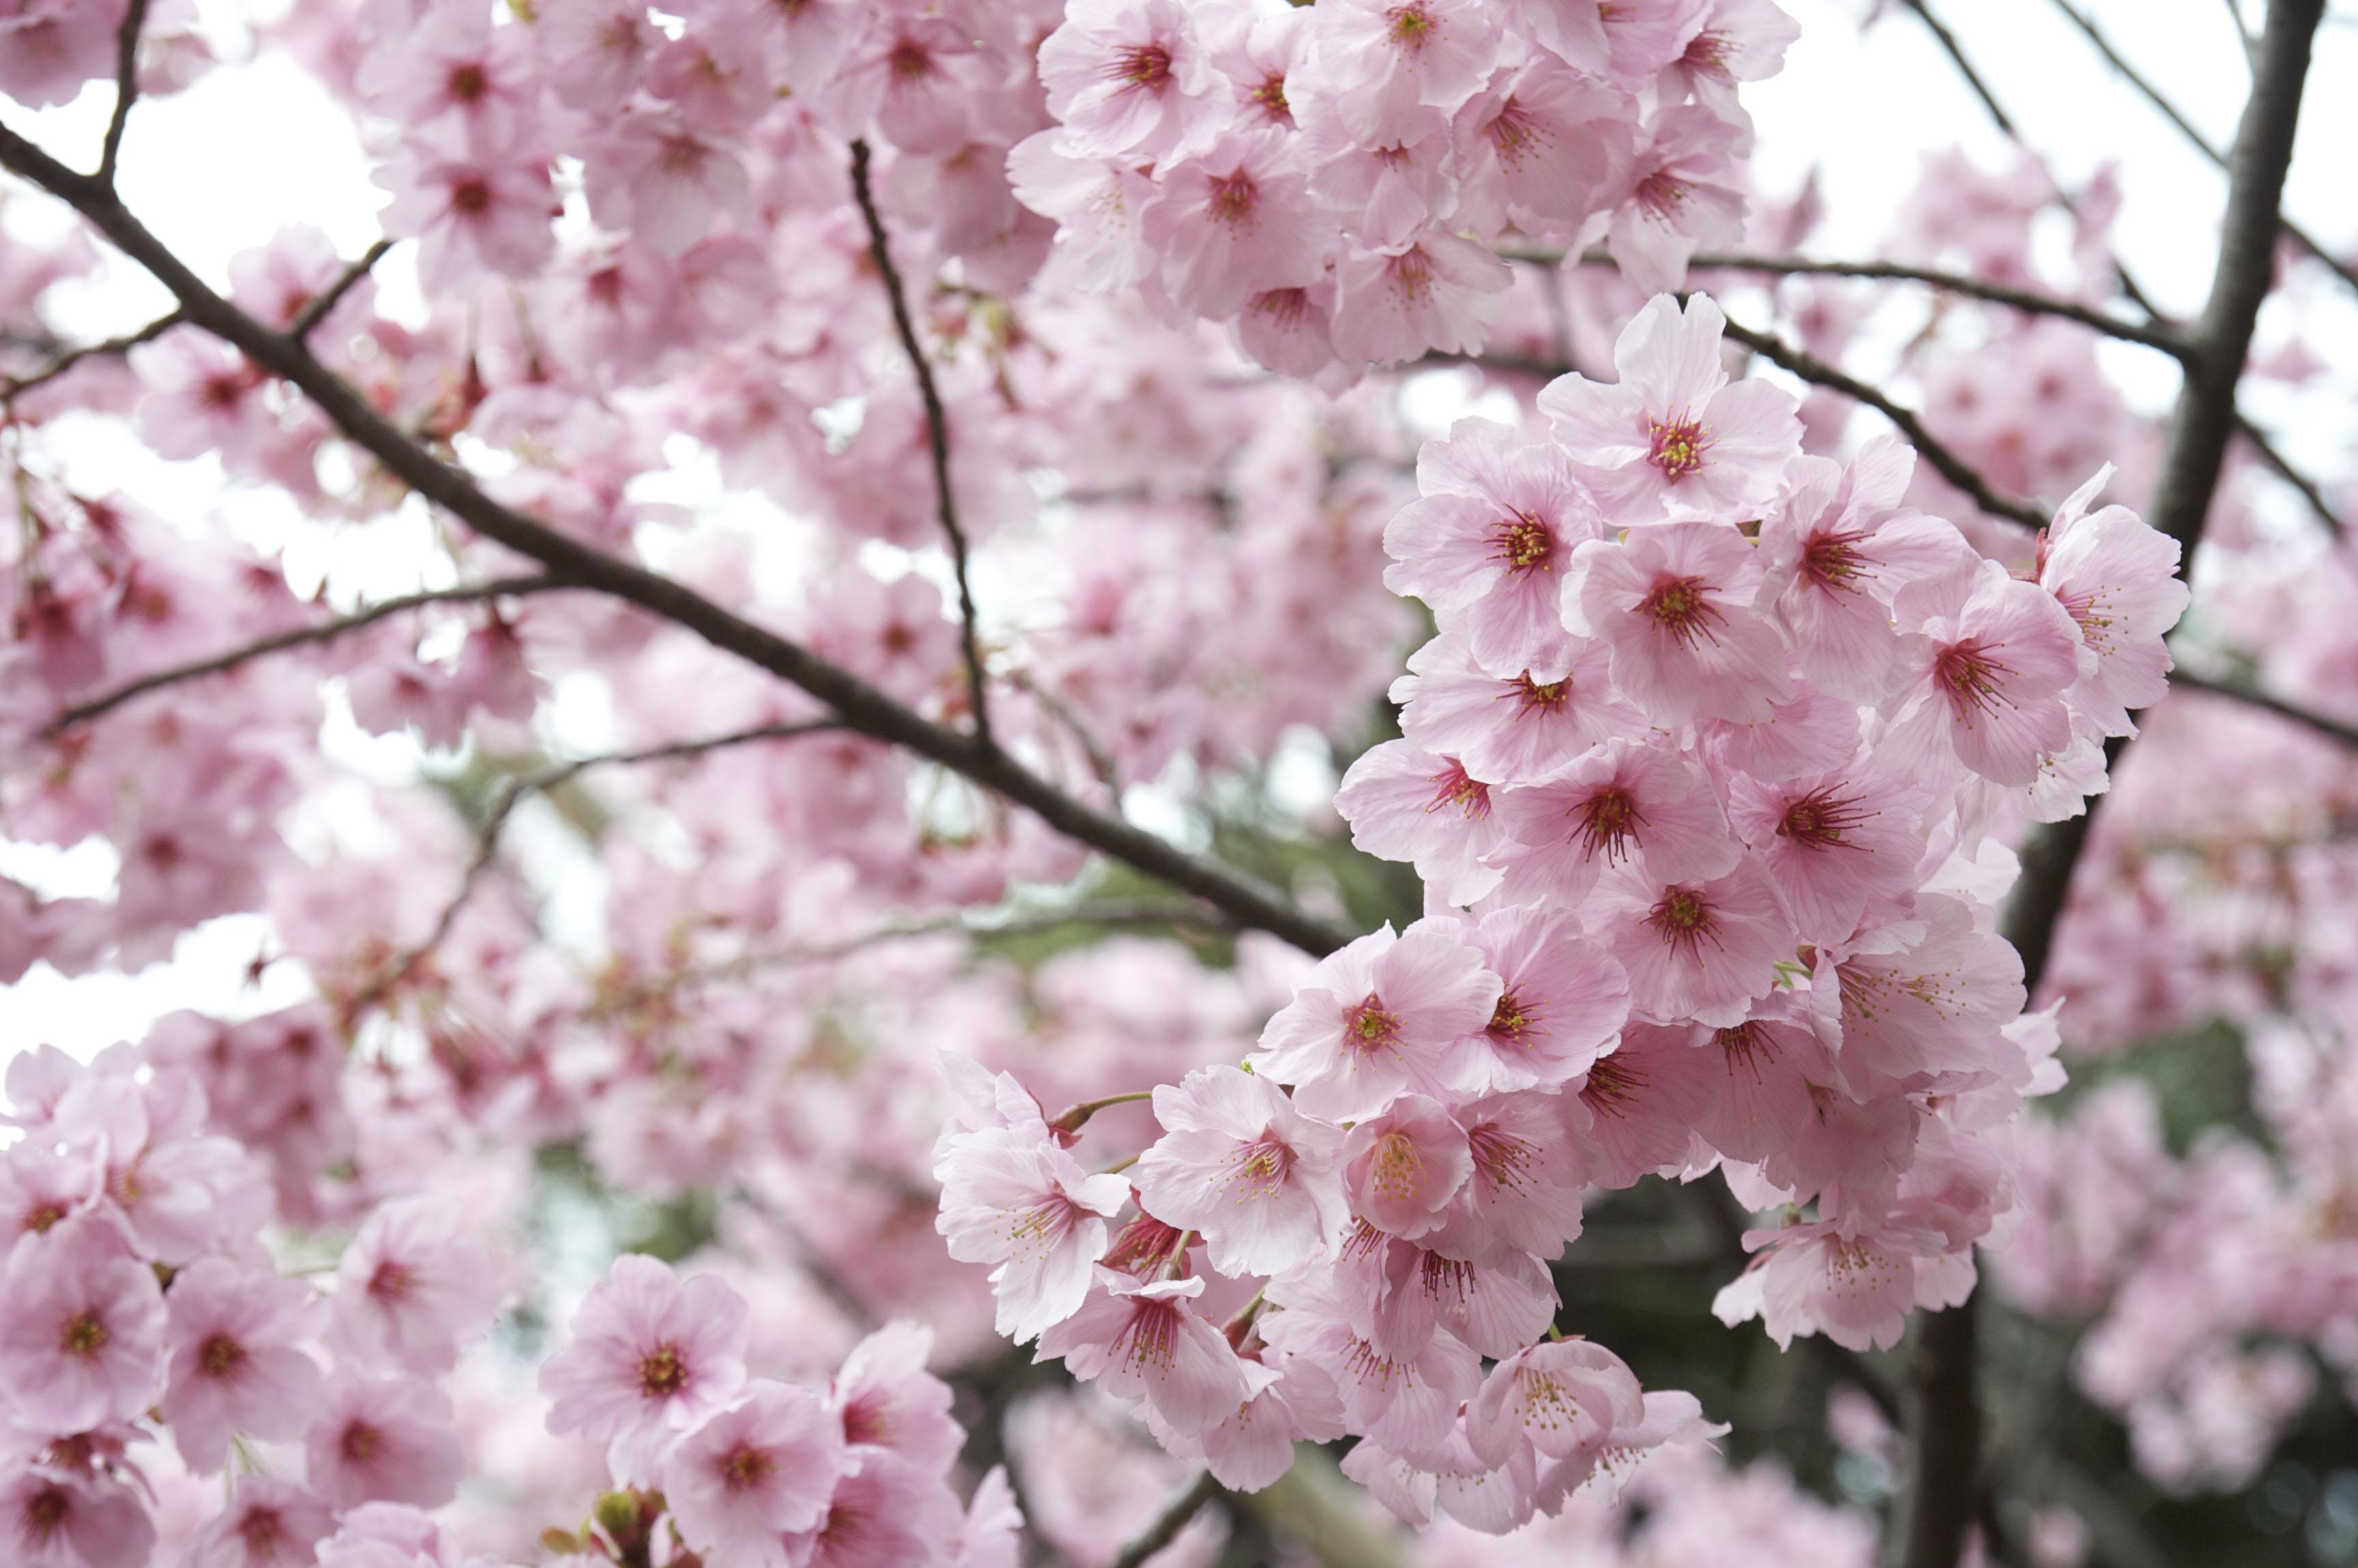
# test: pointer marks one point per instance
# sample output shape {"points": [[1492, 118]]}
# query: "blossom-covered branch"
{"points": [[12, 389], [860, 705]]}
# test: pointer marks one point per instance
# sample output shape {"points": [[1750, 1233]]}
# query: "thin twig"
{"points": [[860, 705], [325, 631], [487, 836], [2244, 692], [65, 361], [1948, 41], [2310, 491], [938, 431], [127, 86], [1951, 467], [317, 311], [1166, 1529], [2186, 128]]}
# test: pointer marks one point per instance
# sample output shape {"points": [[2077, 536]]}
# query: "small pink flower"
{"points": [[1524, 726], [1379, 1019], [1625, 802], [1144, 1341], [82, 1330], [885, 1399], [55, 1518], [1836, 844], [1544, 145], [1433, 292], [657, 178], [2116, 579], [1560, 1397], [1909, 1011], [886, 1514], [383, 1441], [1233, 222], [1407, 1403], [1766, 1089], [1407, 804], [1564, 1001], [1124, 77], [1673, 437], [1684, 195], [1402, 1167], [1523, 1195], [1855, 1290], [1673, 603], [1695, 949], [1984, 682], [1240, 1166], [411, 1292], [1643, 1101], [1384, 60], [1027, 1206], [234, 1362], [472, 215], [1487, 545], [269, 1523], [652, 1355], [755, 1473]]}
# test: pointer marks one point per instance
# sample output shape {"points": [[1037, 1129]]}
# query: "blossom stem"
{"points": [[1175, 1262], [1070, 1119]]}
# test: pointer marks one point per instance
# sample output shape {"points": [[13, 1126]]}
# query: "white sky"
{"points": [[218, 169]]}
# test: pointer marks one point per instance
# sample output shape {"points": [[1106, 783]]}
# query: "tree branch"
{"points": [[72, 357], [325, 631], [938, 431], [2310, 491], [859, 704], [1948, 41], [487, 836], [127, 87], [302, 327], [2171, 112], [1166, 1529], [2242, 691], [2200, 428], [1945, 462]]}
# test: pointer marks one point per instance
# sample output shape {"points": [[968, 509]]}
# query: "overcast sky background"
{"points": [[217, 170]]}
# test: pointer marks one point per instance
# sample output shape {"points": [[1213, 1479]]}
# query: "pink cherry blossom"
{"points": [[1624, 803], [1376, 1019], [885, 1399], [1563, 1002], [760, 1470], [1673, 602], [652, 1355], [1673, 436], [1560, 1397], [1124, 79], [1402, 1168], [473, 214], [1699, 949], [1232, 223], [1144, 1341], [1644, 1101], [55, 1518], [1407, 804], [2114, 575], [1984, 679], [82, 1330], [1524, 726], [1027, 1207], [1432, 292], [269, 1523], [1529, 1168], [385, 1440], [237, 1365], [1238, 1164], [410, 1292], [1837, 844]]}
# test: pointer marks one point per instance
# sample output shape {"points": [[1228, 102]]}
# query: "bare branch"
{"points": [[2244, 692], [2310, 491], [487, 836], [861, 706], [65, 361], [1947, 463], [1948, 41], [127, 86], [938, 431], [317, 311], [2193, 134], [1166, 1529], [325, 631]]}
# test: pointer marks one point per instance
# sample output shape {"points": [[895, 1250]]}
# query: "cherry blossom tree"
{"points": [[806, 1024]]}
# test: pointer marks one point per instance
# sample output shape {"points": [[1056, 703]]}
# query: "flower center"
{"points": [[1972, 680], [1398, 1168], [392, 1281], [1832, 562], [663, 1371], [1233, 198], [746, 1467], [1542, 697], [45, 1511], [1614, 1084], [1369, 1027], [1454, 787], [468, 82], [909, 60], [1501, 1157], [1413, 26], [1661, 194], [1683, 921], [1510, 1020], [1678, 608], [1260, 1168], [1676, 446], [361, 1443], [1525, 544], [1142, 67], [220, 1356], [1820, 818], [1608, 820], [1749, 1048], [83, 1335], [471, 198]]}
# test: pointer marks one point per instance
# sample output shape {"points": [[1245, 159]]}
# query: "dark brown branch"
{"points": [[1166, 1529], [938, 431], [1945, 462], [2310, 491], [65, 361], [2242, 691], [127, 86], [1948, 42], [2199, 429], [2151, 335], [861, 706], [325, 631], [2193, 134], [317, 311]]}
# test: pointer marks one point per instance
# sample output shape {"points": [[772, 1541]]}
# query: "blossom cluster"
{"points": [[1699, 775]]}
